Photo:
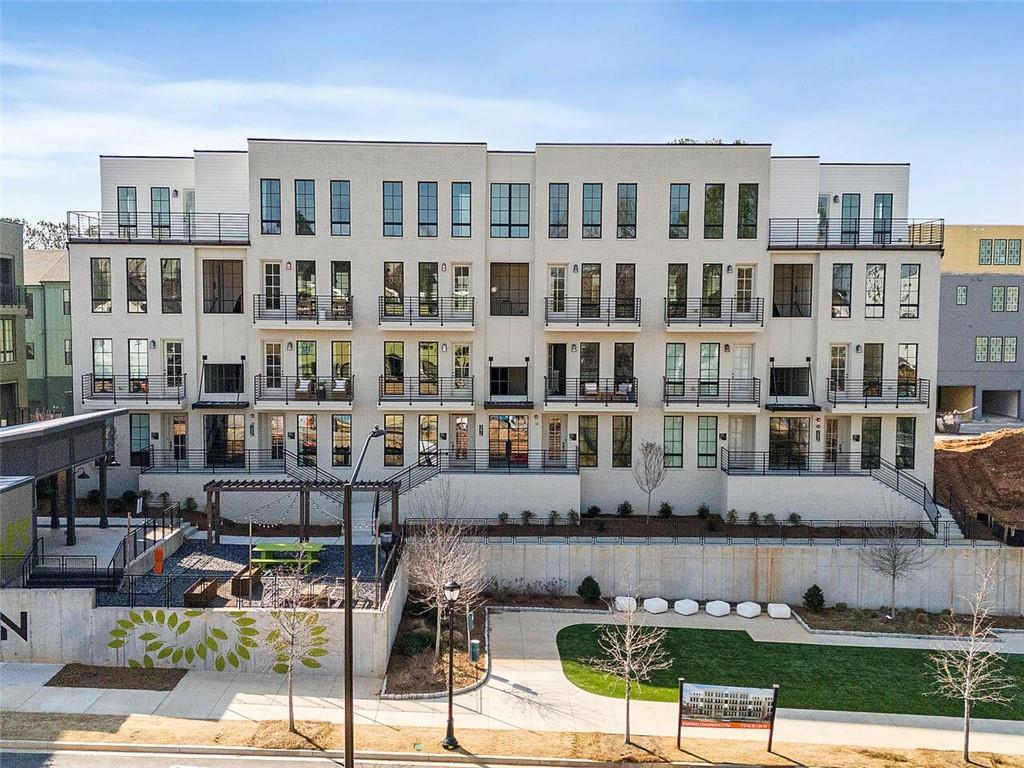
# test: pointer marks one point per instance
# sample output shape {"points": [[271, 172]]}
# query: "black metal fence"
{"points": [[316, 389], [434, 389], [719, 391], [124, 387], [292, 308], [620, 389], [176, 461], [715, 312], [411, 310], [157, 227], [601, 311]]}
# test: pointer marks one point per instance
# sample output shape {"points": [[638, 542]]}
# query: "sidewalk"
{"points": [[526, 690]]}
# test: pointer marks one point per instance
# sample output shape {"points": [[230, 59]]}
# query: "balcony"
{"points": [[508, 461], [591, 393], [874, 392], [855, 234], [715, 393], [716, 314], [212, 462], [449, 312], [299, 390], [152, 390], [595, 314], [438, 391], [273, 311], [147, 227], [13, 296]]}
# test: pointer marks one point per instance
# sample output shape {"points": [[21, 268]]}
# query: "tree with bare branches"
{"points": [[899, 554], [649, 470], [969, 670], [295, 636], [630, 651]]}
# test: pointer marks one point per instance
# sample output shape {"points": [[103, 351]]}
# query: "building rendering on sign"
{"points": [[13, 379], [981, 321], [529, 317], [48, 331]]}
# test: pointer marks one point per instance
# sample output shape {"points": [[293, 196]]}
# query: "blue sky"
{"points": [[938, 85]]}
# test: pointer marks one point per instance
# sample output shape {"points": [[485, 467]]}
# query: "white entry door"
{"points": [[742, 361], [741, 441]]}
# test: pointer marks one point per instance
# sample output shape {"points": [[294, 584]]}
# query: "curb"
{"points": [[896, 635]]}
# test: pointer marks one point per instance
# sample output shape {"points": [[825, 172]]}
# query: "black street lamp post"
{"points": [[451, 594]]}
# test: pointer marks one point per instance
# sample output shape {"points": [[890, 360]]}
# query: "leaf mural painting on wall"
{"points": [[164, 639]]}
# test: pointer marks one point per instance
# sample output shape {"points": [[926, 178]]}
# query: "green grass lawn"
{"points": [[890, 680]]}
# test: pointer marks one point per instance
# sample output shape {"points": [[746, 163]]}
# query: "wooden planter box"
{"points": [[240, 582], [201, 593]]}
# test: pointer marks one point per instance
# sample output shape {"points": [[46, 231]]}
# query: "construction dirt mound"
{"points": [[986, 471]]}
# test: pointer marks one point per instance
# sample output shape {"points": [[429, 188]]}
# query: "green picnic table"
{"points": [[287, 553]]}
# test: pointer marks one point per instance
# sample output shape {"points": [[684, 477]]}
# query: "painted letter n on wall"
{"points": [[20, 629]]}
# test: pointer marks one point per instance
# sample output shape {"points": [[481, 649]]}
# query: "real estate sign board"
{"points": [[726, 706]]}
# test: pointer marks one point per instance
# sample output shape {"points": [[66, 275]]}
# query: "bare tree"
{"points": [[898, 555], [296, 636], [43, 234], [969, 670], [630, 652], [649, 471]]}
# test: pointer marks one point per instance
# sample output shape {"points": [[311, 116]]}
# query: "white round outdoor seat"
{"points": [[686, 607], [779, 611], [655, 605], [748, 610], [624, 603], [717, 608]]}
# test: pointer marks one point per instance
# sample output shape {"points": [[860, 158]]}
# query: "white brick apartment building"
{"points": [[531, 317]]}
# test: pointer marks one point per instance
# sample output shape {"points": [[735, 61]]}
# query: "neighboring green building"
{"points": [[13, 386], [48, 332]]}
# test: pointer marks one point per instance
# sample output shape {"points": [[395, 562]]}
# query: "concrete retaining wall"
{"points": [[762, 573], [819, 498], [144, 562]]}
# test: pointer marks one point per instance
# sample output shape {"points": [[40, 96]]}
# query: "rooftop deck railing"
{"points": [[855, 233], [158, 227]]}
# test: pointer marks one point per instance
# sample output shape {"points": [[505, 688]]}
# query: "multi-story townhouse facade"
{"points": [[525, 320], [981, 321], [48, 332], [13, 380]]}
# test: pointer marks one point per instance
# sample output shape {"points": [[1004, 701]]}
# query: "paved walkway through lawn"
{"points": [[526, 690]]}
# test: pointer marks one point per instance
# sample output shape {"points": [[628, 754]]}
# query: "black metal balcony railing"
{"points": [[717, 391], [173, 460], [700, 312], [411, 310], [12, 296], [603, 311], [879, 391], [293, 308], [855, 233], [621, 389], [303, 389], [151, 227], [505, 459], [411, 390], [145, 389], [787, 461]]}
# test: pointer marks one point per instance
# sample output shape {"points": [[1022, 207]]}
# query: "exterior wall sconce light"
{"points": [[728, 269], [726, 347], [289, 346], [152, 343], [573, 347], [444, 266], [288, 266], [575, 268], [444, 347], [857, 348]]}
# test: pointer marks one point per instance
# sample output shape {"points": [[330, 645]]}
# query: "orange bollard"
{"points": [[158, 560]]}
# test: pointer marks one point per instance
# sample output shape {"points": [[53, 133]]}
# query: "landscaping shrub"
{"points": [[794, 518], [129, 498], [753, 518], [93, 496], [190, 505], [553, 517], [769, 519], [732, 516], [592, 511], [503, 517], [814, 598], [573, 517], [589, 590], [526, 516], [665, 510], [625, 509], [841, 606], [116, 507], [415, 643], [703, 511]]}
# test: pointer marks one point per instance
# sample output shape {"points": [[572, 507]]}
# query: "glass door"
{"points": [[179, 436], [709, 362], [462, 429], [788, 442], [225, 439], [556, 287], [676, 291], [341, 289], [189, 207], [625, 291], [590, 290], [873, 370], [870, 442], [741, 442], [711, 292], [555, 436], [428, 289], [556, 369], [508, 441], [428, 368], [850, 234]]}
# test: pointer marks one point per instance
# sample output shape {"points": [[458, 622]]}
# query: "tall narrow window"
{"points": [[588, 441], [1010, 349], [510, 210], [1012, 298], [622, 441], [427, 209], [999, 252], [714, 211], [709, 369], [906, 370], [745, 288], [791, 290], [127, 213], [746, 212], [675, 368], [394, 287], [138, 365], [590, 290], [136, 271], [305, 286], [392, 209], [673, 441], [874, 291], [461, 368], [8, 353], [590, 360], [67, 301], [272, 364], [625, 291], [394, 367], [961, 295], [981, 349], [910, 290], [1013, 253], [461, 287], [679, 211], [341, 359], [428, 289], [882, 224], [707, 437], [428, 368], [341, 440], [305, 207], [341, 288], [711, 291], [462, 208], [272, 285], [305, 361], [67, 349], [625, 210], [510, 290], [428, 436], [906, 430], [985, 252], [676, 290], [160, 211], [270, 206], [995, 349], [394, 440], [100, 279], [558, 210], [850, 234], [173, 363], [138, 426], [998, 298], [306, 423], [822, 217], [592, 194], [102, 365], [170, 286], [222, 286], [341, 208], [837, 367]]}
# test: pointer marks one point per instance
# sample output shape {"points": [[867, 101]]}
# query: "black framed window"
{"points": [[305, 207], [138, 426], [679, 211], [508, 380], [462, 209], [392, 208], [842, 289], [510, 210], [222, 287], [426, 195], [394, 440], [961, 295], [510, 290], [592, 199], [791, 290], [790, 382], [985, 252], [102, 365], [127, 212], [160, 211], [882, 224], [672, 441], [714, 211], [906, 441], [341, 208], [223, 378], [270, 206], [910, 290], [850, 232], [558, 210], [874, 291], [622, 441], [305, 427], [100, 279], [588, 440], [137, 297], [625, 225], [341, 440], [707, 436], [746, 212], [170, 286]]}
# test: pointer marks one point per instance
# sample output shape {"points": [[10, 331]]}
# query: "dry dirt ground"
{"points": [[986, 471], [907, 621], [123, 678], [144, 729]]}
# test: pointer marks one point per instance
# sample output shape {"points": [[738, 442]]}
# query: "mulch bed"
{"points": [[908, 621], [121, 678]]}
